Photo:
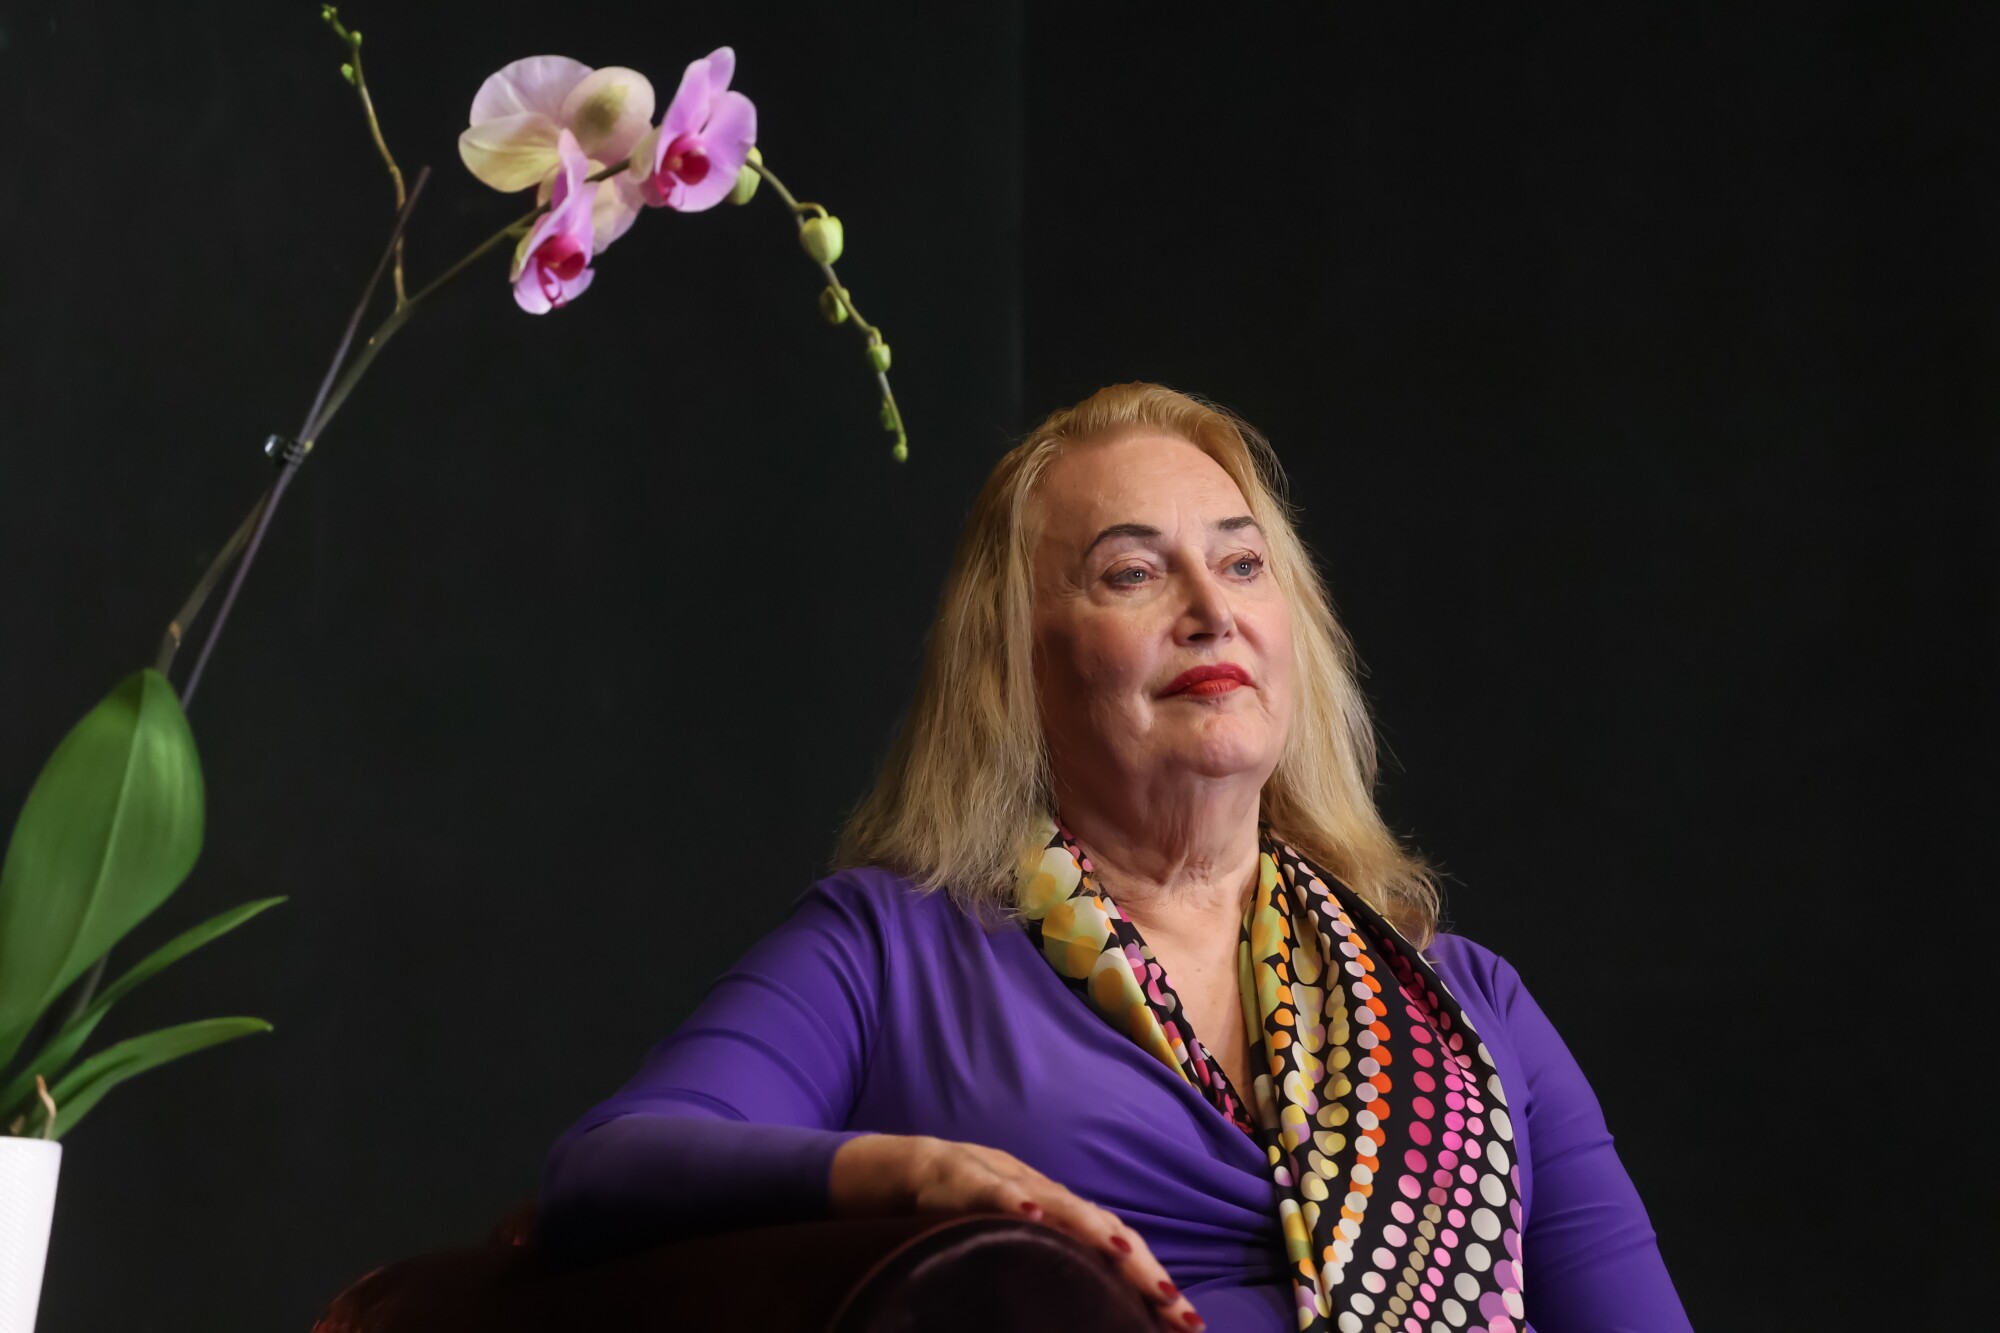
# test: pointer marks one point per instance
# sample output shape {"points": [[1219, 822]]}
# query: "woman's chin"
{"points": [[1227, 751]]}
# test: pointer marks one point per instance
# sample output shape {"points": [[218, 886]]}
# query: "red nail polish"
{"points": [[1195, 1321], [1123, 1246], [1032, 1209], [1168, 1289]]}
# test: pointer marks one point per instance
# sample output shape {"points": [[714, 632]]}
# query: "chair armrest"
{"points": [[857, 1275]]}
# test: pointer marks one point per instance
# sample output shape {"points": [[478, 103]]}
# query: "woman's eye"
{"points": [[1119, 577], [1247, 565]]}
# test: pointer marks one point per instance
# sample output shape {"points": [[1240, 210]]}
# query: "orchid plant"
{"points": [[113, 824]]}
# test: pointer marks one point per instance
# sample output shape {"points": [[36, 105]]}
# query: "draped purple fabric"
{"points": [[876, 1008]]}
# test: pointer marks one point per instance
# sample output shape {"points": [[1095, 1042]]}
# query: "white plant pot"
{"points": [[28, 1170]]}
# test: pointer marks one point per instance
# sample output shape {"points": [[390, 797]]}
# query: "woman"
{"points": [[1121, 944]]}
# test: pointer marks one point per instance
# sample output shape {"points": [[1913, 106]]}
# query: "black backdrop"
{"points": [[1633, 363]]}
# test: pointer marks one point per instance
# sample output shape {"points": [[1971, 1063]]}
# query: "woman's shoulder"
{"points": [[877, 900], [1476, 976], [1461, 960]]}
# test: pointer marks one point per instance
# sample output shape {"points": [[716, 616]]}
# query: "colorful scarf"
{"points": [[1377, 1107]]}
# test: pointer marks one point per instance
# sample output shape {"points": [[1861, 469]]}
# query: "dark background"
{"points": [[1634, 365]]}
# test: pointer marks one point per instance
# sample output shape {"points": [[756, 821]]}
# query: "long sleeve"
{"points": [[1592, 1263], [734, 1119]]}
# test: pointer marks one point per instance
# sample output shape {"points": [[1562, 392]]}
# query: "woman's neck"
{"points": [[1173, 861]]}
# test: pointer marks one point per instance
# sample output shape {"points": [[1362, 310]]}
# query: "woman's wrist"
{"points": [[874, 1175]]}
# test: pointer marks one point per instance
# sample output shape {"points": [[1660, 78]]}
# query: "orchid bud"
{"points": [[888, 416], [747, 179], [878, 356], [347, 72], [832, 307], [822, 238], [901, 453]]}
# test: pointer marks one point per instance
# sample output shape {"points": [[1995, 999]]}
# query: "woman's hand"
{"points": [[881, 1174]]}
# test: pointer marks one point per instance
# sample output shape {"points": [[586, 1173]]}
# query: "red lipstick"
{"points": [[1206, 682]]}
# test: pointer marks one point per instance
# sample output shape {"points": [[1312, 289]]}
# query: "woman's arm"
{"points": [[735, 1118], [1592, 1264]]}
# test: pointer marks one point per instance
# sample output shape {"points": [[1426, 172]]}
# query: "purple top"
{"points": [[877, 1008]]}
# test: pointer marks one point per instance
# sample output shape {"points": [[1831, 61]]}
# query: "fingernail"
{"points": [[1124, 1246], [1168, 1289], [1032, 1209], [1195, 1321]]}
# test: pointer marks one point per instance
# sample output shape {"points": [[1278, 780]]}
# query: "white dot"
{"points": [[1356, 1202], [1492, 1190], [1493, 1087], [1362, 1302], [1350, 1322], [1369, 1065], [1512, 1300], [1476, 1255], [1454, 1312], [1375, 1282], [1496, 1155], [1485, 1223], [1502, 1126], [1384, 1258], [1366, 1120], [1466, 1285], [1363, 1176]]}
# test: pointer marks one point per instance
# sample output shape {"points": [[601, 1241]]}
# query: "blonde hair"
{"points": [[969, 772]]}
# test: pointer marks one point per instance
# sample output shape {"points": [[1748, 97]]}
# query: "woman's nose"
{"points": [[1207, 615]]}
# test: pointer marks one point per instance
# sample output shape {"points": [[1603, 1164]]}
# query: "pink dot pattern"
{"points": [[1376, 1104]]}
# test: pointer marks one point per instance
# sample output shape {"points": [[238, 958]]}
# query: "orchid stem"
{"points": [[892, 415], [398, 317], [249, 535], [267, 507], [356, 77]]}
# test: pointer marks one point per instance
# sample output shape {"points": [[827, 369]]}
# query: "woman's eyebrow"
{"points": [[1236, 524]]}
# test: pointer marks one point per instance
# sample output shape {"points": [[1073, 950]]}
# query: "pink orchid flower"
{"points": [[521, 112], [552, 263], [690, 161]]}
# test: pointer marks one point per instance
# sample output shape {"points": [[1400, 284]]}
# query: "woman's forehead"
{"points": [[1134, 478]]}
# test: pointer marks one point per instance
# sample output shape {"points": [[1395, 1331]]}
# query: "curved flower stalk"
{"points": [[114, 823], [702, 151]]}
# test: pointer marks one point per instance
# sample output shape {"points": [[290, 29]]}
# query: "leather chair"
{"points": [[977, 1273]]}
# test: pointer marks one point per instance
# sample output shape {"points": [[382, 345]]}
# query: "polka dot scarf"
{"points": [[1375, 1103]]}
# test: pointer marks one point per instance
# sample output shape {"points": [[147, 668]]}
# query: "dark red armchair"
{"points": [[978, 1273]]}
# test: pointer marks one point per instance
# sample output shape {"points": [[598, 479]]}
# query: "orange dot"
{"points": [[1375, 1003]]}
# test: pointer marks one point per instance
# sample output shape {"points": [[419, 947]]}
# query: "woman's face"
{"points": [[1147, 565]]}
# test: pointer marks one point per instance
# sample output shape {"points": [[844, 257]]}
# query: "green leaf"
{"points": [[112, 827], [84, 1086], [54, 1057]]}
